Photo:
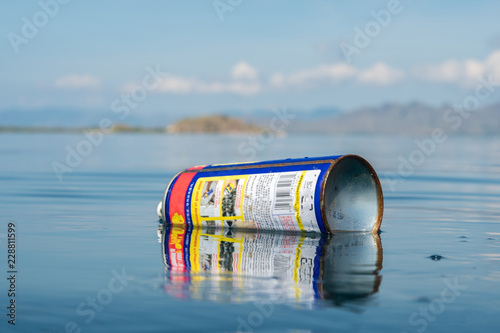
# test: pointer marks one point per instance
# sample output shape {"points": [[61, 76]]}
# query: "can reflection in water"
{"points": [[236, 266]]}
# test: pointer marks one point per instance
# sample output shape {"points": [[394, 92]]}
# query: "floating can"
{"points": [[323, 194]]}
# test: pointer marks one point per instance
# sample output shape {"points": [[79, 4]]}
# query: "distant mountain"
{"points": [[390, 118], [263, 115], [302, 121], [413, 119]]}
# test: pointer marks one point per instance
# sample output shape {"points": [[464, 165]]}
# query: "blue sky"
{"points": [[263, 54]]}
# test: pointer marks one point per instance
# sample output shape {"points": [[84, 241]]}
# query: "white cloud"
{"points": [[473, 69], [464, 73], [334, 73], [241, 88], [179, 85], [277, 80], [448, 71], [380, 74], [76, 82], [493, 65], [243, 82], [175, 84], [243, 71], [244, 78]]}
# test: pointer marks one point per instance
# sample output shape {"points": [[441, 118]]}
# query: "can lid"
{"points": [[352, 196], [159, 209]]}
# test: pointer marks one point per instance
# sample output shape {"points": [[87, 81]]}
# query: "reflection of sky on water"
{"points": [[285, 268]]}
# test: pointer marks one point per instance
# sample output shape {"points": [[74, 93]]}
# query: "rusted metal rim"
{"points": [[380, 197]]}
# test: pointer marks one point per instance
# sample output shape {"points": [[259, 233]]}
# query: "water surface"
{"points": [[90, 255]]}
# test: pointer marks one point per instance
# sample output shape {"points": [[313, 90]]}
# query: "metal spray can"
{"points": [[323, 194]]}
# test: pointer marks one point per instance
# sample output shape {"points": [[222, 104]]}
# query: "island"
{"points": [[212, 124]]}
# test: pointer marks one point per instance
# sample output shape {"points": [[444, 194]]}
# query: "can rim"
{"points": [[378, 186]]}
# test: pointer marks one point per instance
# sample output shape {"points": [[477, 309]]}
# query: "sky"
{"points": [[196, 57]]}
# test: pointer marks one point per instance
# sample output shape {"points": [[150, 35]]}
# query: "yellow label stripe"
{"points": [[296, 266], [297, 201], [194, 250]]}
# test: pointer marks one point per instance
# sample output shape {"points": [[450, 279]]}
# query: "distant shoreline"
{"points": [[163, 131], [41, 129], [207, 124]]}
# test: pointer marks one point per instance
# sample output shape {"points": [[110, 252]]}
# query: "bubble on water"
{"points": [[436, 257], [424, 299]]}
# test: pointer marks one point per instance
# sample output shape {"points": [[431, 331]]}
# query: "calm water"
{"points": [[91, 256]]}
